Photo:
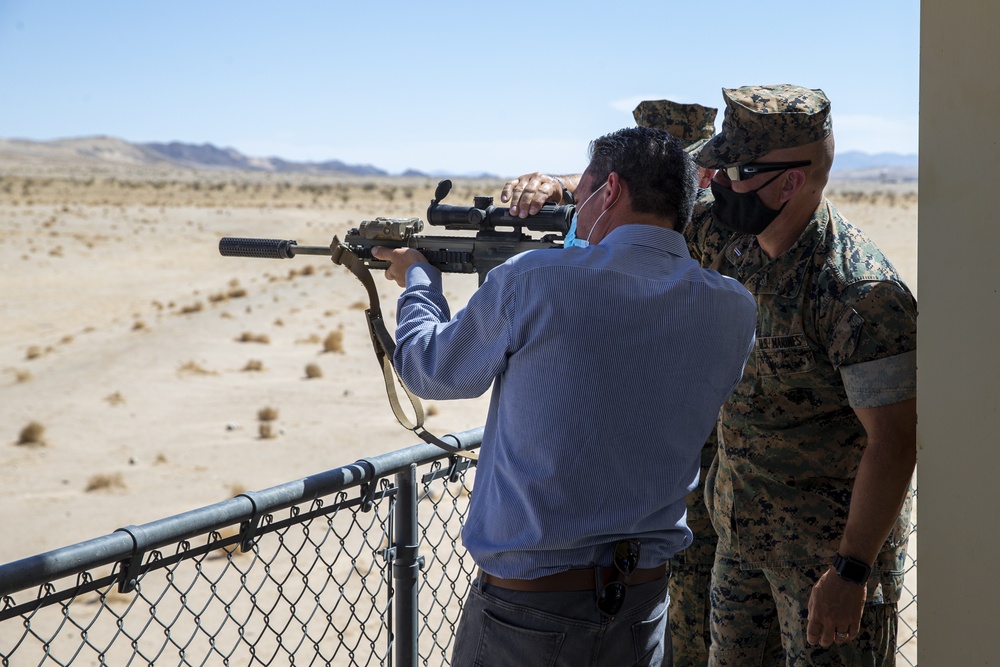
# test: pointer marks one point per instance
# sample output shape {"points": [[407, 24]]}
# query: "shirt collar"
{"points": [[650, 236]]}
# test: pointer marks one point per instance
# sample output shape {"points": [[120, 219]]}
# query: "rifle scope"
{"points": [[484, 215]]}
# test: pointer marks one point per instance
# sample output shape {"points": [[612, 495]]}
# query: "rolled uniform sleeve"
{"points": [[874, 345]]}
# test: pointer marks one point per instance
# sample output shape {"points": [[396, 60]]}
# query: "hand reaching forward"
{"points": [[528, 193]]}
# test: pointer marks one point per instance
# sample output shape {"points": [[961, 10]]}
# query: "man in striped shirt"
{"points": [[609, 362]]}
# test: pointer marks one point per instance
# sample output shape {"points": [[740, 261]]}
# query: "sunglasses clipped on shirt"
{"points": [[743, 172], [611, 598]]}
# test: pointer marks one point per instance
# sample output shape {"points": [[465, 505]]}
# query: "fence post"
{"points": [[406, 568]]}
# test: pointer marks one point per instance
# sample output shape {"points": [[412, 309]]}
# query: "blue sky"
{"points": [[438, 86]]}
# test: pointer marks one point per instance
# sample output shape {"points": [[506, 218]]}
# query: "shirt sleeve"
{"points": [[881, 382], [874, 344], [443, 357]]}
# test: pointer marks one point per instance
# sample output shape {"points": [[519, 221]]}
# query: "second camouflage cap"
{"points": [[693, 124], [760, 119]]}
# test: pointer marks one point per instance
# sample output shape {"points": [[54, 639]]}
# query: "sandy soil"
{"points": [[131, 343]]}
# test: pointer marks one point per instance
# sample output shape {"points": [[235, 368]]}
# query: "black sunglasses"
{"points": [[744, 171], [611, 598]]}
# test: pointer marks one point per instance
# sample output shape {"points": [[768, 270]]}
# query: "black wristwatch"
{"points": [[566, 195], [851, 570]]}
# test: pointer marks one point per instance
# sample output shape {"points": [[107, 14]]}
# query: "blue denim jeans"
{"points": [[505, 628]]}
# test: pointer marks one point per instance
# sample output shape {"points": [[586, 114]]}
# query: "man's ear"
{"points": [[705, 177], [795, 180], [615, 189]]}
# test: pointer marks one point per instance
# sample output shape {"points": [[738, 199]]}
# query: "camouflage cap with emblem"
{"points": [[760, 119], [693, 124]]}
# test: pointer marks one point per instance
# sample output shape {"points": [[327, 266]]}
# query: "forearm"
{"points": [[443, 357], [879, 492]]}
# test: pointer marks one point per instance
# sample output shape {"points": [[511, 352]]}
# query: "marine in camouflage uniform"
{"points": [[690, 569], [835, 357], [836, 337]]}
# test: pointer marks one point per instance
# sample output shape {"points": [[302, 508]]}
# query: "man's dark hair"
{"points": [[660, 175]]}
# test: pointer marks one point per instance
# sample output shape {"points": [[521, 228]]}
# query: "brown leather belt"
{"points": [[572, 580]]}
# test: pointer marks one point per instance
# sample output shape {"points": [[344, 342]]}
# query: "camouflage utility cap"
{"points": [[693, 124], [760, 119]]}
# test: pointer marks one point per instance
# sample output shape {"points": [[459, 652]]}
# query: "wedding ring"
{"points": [[841, 635]]}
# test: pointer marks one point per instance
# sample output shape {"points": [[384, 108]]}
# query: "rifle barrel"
{"points": [[267, 248]]}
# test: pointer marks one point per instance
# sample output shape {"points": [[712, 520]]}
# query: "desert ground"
{"points": [[138, 365]]}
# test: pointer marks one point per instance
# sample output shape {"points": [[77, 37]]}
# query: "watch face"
{"points": [[852, 570]]}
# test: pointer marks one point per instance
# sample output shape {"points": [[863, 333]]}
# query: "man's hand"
{"points": [[401, 259], [835, 608], [528, 193]]}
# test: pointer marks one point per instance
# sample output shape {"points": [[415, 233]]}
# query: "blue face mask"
{"points": [[571, 241]]}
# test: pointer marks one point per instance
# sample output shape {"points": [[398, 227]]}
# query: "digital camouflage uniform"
{"points": [[836, 330], [691, 569], [693, 124]]}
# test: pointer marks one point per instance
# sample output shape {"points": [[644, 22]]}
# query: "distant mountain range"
{"points": [[887, 167], [110, 152]]}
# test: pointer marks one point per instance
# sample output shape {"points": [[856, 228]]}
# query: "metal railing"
{"points": [[360, 565]]}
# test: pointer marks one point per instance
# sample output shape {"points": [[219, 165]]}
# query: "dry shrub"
{"points": [[358, 305], [247, 337], [313, 371], [105, 482], [334, 342], [217, 297], [138, 325], [108, 598], [313, 339], [66, 340], [237, 490], [160, 459], [279, 322], [308, 270], [266, 431], [33, 352], [20, 375], [236, 293], [254, 365], [267, 414], [31, 435], [431, 410], [115, 398], [194, 368], [195, 307]]}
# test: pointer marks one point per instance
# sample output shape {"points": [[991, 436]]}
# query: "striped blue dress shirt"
{"points": [[609, 365]]}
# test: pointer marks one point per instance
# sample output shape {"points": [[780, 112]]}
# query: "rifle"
{"points": [[499, 236]]}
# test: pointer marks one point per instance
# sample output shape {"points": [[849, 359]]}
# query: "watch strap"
{"points": [[852, 569]]}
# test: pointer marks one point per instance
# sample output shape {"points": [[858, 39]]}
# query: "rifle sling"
{"points": [[385, 346]]}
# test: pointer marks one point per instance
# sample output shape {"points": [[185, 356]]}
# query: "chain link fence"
{"points": [[360, 565]]}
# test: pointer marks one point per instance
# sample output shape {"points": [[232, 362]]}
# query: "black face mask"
{"points": [[743, 213]]}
